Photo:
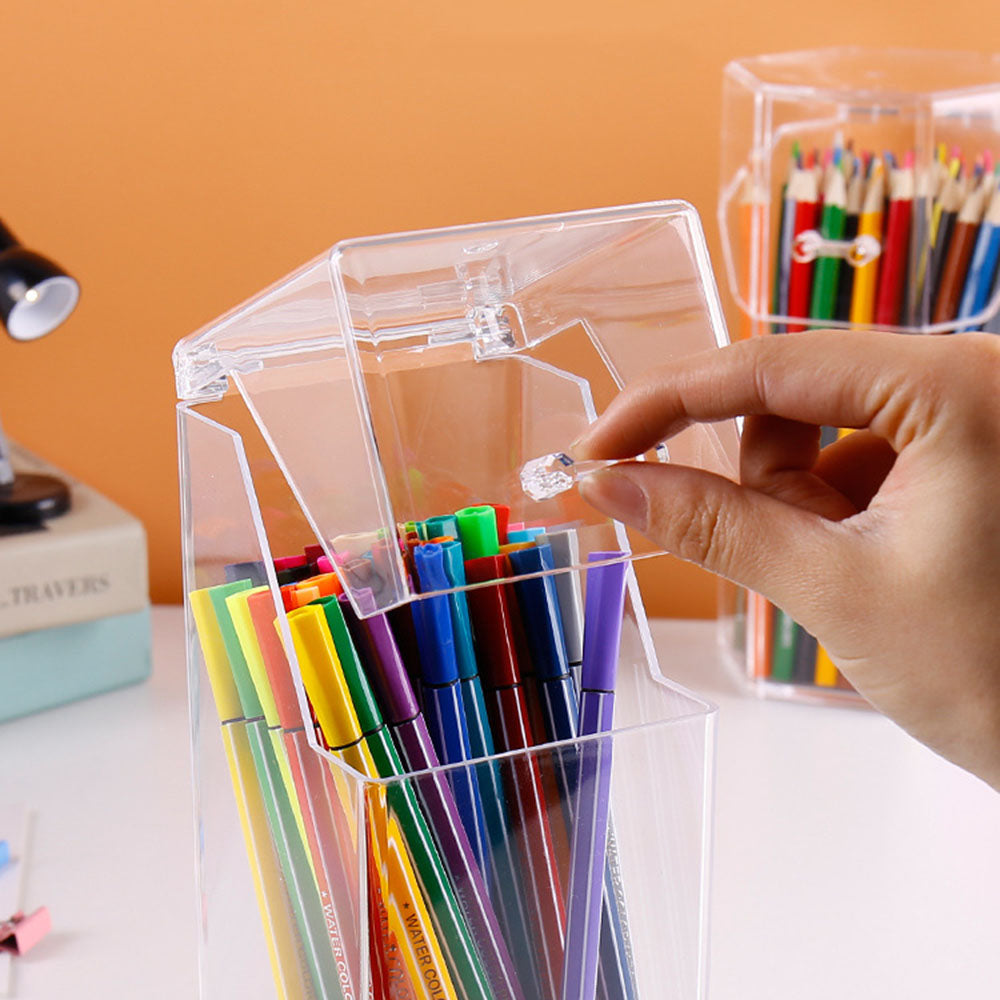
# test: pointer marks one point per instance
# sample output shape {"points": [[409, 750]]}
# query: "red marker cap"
{"points": [[503, 517], [492, 622]]}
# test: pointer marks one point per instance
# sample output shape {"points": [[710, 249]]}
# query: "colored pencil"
{"points": [[869, 224], [892, 279], [852, 221], [827, 272], [983, 266], [803, 192], [960, 247]]}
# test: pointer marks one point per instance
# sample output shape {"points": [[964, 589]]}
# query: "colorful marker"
{"points": [[501, 673], [444, 710], [477, 531], [508, 899], [403, 714], [412, 938], [602, 636], [451, 927], [290, 976], [292, 853], [323, 795], [540, 612]]}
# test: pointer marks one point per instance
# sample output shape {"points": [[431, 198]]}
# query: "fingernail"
{"points": [[578, 449], [615, 493]]}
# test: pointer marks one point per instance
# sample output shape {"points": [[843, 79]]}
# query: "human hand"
{"points": [[884, 545]]}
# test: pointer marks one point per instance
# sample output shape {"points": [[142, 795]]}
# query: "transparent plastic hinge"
{"points": [[493, 329], [810, 244], [202, 375]]}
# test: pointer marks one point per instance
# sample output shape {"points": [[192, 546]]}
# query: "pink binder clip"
{"points": [[23, 931]]}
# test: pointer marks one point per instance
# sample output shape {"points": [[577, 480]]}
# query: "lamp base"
{"points": [[33, 497]]}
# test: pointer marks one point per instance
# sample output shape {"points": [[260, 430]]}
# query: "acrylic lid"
{"points": [[403, 378]]}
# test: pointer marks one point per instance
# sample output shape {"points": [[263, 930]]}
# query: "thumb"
{"points": [[788, 554]]}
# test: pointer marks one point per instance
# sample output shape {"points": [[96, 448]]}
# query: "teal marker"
{"points": [[442, 526]]}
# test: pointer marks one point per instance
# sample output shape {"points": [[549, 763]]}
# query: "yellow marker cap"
{"points": [[323, 676], [213, 648]]}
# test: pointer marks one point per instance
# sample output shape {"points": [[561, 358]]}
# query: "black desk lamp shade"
{"points": [[36, 295]]}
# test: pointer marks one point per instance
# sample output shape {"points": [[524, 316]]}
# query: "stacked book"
{"points": [[74, 602]]}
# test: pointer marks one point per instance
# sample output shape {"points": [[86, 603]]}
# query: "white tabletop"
{"points": [[849, 861]]}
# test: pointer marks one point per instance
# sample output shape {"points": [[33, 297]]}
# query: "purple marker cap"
{"points": [[395, 692], [602, 623]]}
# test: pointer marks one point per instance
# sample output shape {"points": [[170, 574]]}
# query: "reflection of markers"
{"points": [[540, 612], [507, 896], [445, 913], [501, 673], [444, 710], [602, 636], [403, 714]]}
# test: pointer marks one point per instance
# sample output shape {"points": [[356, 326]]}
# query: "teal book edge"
{"points": [[53, 666]]}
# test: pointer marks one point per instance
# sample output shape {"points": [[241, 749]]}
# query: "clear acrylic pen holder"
{"points": [[323, 427], [859, 191]]}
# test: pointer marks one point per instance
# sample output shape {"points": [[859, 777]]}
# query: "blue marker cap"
{"points": [[461, 623], [539, 605], [432, 617], [4, 853], [524, 535]]}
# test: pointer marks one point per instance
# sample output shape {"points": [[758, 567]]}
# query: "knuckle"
{"points": [[699, 535]]}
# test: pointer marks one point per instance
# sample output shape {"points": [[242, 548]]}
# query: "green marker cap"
{"points": [[477, 530], [365, 705], [249, 701]]}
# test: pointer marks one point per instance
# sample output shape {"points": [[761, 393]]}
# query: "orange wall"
{"points": [[178, 157]]}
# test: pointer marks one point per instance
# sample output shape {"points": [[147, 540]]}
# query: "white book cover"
{"points": [[86, 564]]}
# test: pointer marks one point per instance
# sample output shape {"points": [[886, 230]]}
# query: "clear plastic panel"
{"points": [[283, 913]]}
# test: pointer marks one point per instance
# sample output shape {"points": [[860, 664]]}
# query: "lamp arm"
{"points": [[7, 238], [6, 469]]}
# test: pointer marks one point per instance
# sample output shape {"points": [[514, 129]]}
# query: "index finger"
{"points": [[823, 377]]}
